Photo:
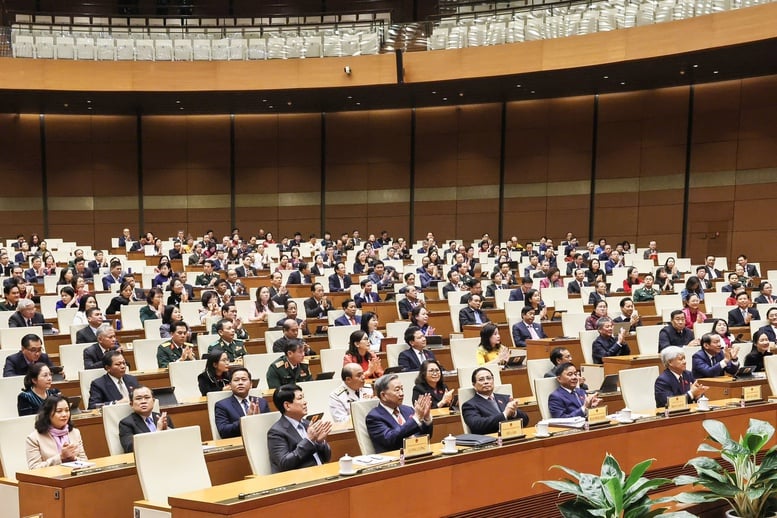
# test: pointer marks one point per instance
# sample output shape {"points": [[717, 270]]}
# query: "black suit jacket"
{"points": [[667, 385], [227, 414], [16, 320], [467, 316], [481, 416], [103, 390], [387, 434], [334, 283], [86, 336], [313, 309], [735, 318], [295, 277], [16, 364], [290, 451], [574, 287], [93, 357], [241, 271], [134, 424], [408, 359]]}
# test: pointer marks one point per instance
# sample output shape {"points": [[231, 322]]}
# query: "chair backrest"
{"points": [[573, 323], [145, 351], [359, 411], [151, 327], [638, 388], [570, 306], [71, 357], [203, 341], [65, 317], [213, 398], [257, 365], [536, 369], [513, 308], [392, 353], [190, 311], [85, 378], [464, 352], [48, 305], [586, 344], [254, 429], [464, 374], [331, 360], [543, 388], [112, 414], [408, 382], [770, 366], [9, 390], [11, 338], [397, 329], [699, 329], [270, 336], [454, 311], [163, 471], [647, 339], [551, 295], [667, 301], [338, 336], [467, 393], [130, 316], [13, 434], [183, 376], [317, 394]]}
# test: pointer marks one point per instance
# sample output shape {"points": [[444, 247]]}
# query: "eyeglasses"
{"points": [[35, 350]]}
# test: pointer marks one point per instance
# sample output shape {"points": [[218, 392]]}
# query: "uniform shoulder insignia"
{"points": [[342, 391], [279, 363]]}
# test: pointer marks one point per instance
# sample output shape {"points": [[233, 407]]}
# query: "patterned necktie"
{"points": [[398, 417], [150, 424], [245, 406]]}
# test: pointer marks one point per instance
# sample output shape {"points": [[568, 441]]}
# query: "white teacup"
{"points": [[346, 464], [449, 444], [541, 429], [703, 403], [626, 414]]}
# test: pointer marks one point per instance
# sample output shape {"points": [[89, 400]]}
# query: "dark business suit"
{"points": [[227, 414], [516, 294], [16, 364], [103, 390], [574, 287], [521, 333], [17, 320], [343, 320], [668, 335], [385, 431], [702, 368], [361, 298], [134, 424], [769, 330], [713, 273], [482, 417], [288, 450], [334, 283], [297, 278], [668, 385], [467, 316], [409, 360], [608, 346], [595, 298], [314, 310], [762, 299], [406, 307], [736, 319], [563, 403], [93, 356], [752, 271], [86, 336], [241, 271]]}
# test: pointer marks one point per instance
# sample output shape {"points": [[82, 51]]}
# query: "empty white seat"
{"points": [[237, 49], [66, 47], [220, 49], [183, 376], [257, 48], [182, 49], [125, 49], [144, 50], [254, 430], [24, 46], [638, 388], [163, 50], [201, 50], [44, 48], [85, 49]]}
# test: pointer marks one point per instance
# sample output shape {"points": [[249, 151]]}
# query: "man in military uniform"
{"points": [[176, 348], [229, 312], [351, 389], [208, 277], [227, 342], [289, 367]]}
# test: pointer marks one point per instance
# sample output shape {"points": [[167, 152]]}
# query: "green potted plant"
{"points": [[750, 488], [611, 494]]}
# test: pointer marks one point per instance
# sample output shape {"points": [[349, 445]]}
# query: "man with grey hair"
{"points": [[106, 341], [26, 316], [351, 389], [676, 380], [606, 344], [390, 422]]}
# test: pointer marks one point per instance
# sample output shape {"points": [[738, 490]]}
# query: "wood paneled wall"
{"points": [[635, 146]]}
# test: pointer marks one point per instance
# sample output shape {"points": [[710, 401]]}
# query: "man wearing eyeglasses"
{"points": [[19, 363], [486, 409]]}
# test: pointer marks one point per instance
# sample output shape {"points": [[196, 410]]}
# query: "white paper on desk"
{"points": [[373, 460], [566, 422], [634, 416], [78, 464]]}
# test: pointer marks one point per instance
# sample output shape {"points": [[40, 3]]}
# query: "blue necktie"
{"points": [[150, 424]]}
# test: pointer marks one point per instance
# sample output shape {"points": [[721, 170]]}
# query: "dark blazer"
{"points": [[769, 330], [562, 403], [668, 335], [703, 369], [467, 316], [516, 294], [761, 299], [713, 273], [313, 309], [295, 277], [608, 346], [735, 318], [343, 320], [360, 299], [667, 385], [408, 359], [574, 287], [85, 336], [594, 298], [289, 451], [103, 391], [334, 283], [405, 308], [16, 320], [93, 357], [241, 271], [521, 333], [483, 418], [16, 364], [752, 271], [387, 434], [228, 413], [134, 424]]}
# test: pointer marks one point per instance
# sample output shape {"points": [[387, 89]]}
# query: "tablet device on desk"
{"points": [[610, 384], [74, 401], [515, 361], [434, 341], [325, 375], [165, 395], [744, 372]]}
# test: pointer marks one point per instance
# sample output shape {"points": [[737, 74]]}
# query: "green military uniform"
{"points": [[204, 279], [5, 306], [645, 295], [240, 334], [282, 373], [234, 350], [168, 353]]}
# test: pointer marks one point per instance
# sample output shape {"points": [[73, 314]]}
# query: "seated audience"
{"points": [[676, 333], [389, 423], [215, 377], [37, 387], [106, 341], [18, 364], [487, 409], [762, 347], [490, 350], [743, 313], [176, 348], [430, 381], [115, 385], [351, 389], [26, 316], [411, 359], [349, 317], [629, 314], [290, 368], [359, 352], [608, 345], [88, 335], [227, 341], [526, 329], [712, 360], [569, 400], [676, 380], [599, 311], [227, 412]]}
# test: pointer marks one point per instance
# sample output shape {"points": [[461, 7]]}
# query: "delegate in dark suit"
{"points": [[737, 319], [704, 367], [343, 320], [563, 403], [103, 390], [17, 320], [288, 450], [385, 431], [362, 297], [668, 385], [574, 287], [405, 308], [409, 360], [467, 317], [86, 336], [134, 424], [296, 277], [228, 413], [521, 333], [93, 357], [16, 364], [769, 331], [608, 346], [482, 417], [334, 283]]}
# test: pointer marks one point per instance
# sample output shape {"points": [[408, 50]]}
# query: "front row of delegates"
{"points": [[54, 439]]}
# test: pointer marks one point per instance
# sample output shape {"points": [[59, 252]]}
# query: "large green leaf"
{"points": [[637, 471], [698, 497], [573, 509], [611, 469], [717, 431], [614, 493], [641, 488]]}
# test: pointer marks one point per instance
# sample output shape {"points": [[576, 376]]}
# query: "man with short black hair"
{"points": [[289, 368], [713, 360], [176, 348], [227, 341], [208, 277], [411, 359], [143, 419], [349, 317], [486, 409], [301, 275], [94, 319], [339, 281], [743, 313], [228, 412], [367, 294], [317, 305], [472, 314], [19, 363], [115, 386], [527, 329]]}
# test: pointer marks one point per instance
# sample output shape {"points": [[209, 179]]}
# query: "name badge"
{"points": [[511, 429], [416, 445], [597, 414], [676, 403], [752, 393]]}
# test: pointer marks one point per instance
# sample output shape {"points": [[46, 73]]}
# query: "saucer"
{"points": [[348, 473], [452, 452], [543, 435]]}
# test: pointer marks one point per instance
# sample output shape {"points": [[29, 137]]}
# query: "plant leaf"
{"points": [[717, 431], [637, 471], [573, 509], [698, 497]]}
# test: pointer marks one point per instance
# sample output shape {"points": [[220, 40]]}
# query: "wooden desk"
{"points": [[727, 387], [55, 493], [614, 364], [540, 349], [457, 479]]}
